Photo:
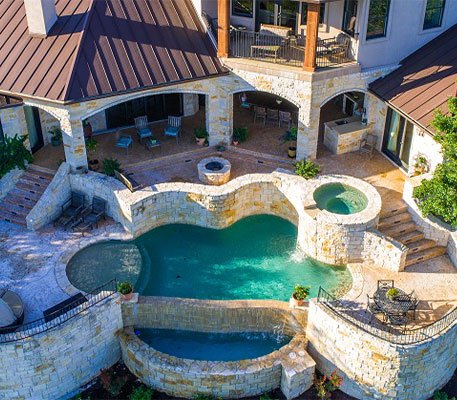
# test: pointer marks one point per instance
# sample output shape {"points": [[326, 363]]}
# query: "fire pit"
{"points": [[214, 170]]}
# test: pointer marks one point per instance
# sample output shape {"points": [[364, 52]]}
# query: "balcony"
{"points": [[289, 50]]}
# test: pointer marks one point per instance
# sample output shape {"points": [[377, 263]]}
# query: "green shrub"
{"points": [[240, 134], [439, 395], [91, 145], [56, 133], [201, 133], [307, 169], [110, 165], [141, 393], [301, 292], [291, 135], [438, 196], [124, 287], [13, 154]]}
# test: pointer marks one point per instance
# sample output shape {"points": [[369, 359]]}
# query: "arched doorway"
{"points": [[345, 108], [266, 134]]}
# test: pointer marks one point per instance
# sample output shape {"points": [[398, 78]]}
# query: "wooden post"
{"points": [[223, 28], [312, 31]]}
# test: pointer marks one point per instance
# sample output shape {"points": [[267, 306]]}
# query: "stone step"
{"points": [[424, 255], [34, 181], [42, 170], [38, 176], [30, 188], [390, 222], [19, 201], [393, 211], [12, 218], [397, 231], [411, 237], [420, 245], [24, 194]]}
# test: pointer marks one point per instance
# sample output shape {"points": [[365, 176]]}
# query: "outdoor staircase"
{"points": [[398, 224], [15, 206]]}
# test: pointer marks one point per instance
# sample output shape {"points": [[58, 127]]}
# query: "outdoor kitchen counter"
{"points": [[344, 138]]}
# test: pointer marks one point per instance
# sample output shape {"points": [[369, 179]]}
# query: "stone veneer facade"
{"points": [[290, 367]]}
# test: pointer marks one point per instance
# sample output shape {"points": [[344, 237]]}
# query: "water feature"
{"points": [[212, 346], [340, 199], [254, 258]]}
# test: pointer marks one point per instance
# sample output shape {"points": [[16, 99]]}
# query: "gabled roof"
{"points": [[425, 80], [101, 47]]}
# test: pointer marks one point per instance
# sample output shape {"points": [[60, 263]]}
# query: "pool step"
{"points": [[424, 255]]}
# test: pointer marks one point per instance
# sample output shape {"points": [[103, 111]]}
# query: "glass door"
{"points": [[398, 138], [277, 12], [287, 13], [32, 118]]}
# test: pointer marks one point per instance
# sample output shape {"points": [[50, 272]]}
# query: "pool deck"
{"points": [[27, 258]]}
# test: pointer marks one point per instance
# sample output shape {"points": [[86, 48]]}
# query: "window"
{"points": [[349, 16], [304, 13], [378, 15], [242, 8], [434, 13]]}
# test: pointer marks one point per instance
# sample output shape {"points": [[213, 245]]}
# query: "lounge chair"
{"points": [[70, 209], [124, 142], [64, 306], [128, 181], [173, 128], [90, 216], [141, 125]]}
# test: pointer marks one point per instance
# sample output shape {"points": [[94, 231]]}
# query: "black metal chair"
{"points": [[91, 216], [373, 308], [397, 319], [414, 303], [385, 284], [70, 210]]}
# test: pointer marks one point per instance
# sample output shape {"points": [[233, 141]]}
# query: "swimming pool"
{"points": [[212, 346], [254, 258]]}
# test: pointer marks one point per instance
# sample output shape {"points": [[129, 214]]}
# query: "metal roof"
{"points": [[425, 80], [101, 47]]}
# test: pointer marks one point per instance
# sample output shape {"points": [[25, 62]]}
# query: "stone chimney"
{"points": [[41, 16]]}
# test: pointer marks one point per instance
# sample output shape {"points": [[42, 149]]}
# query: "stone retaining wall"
{"points": [[8, 181], [375, 368], [54, 364], [290, 367]]}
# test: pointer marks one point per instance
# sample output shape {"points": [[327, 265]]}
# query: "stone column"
{"points": [[223, 29], [73, 142], [219, 118], [312, 30], [308, 133], [190, 104]]}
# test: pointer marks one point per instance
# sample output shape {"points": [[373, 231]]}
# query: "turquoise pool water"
{"points": [[340, 199], [252, 259], [212, 346]]}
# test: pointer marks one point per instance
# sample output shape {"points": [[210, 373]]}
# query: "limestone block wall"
{"points": [[8, 181], [375, 368], [47, 122], [98, 121], [54, 364], [290, 367], [190, 104], [48, 208], [13, 122]]}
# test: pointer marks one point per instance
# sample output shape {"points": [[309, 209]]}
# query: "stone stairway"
{"points": [[15, 206], [398, 224]]}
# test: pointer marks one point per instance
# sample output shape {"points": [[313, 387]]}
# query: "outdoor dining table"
{"points": [[397, 306]]}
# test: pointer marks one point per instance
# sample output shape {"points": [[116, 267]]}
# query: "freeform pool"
{"points": [[212, 346], [254, 258], [340, 199]]}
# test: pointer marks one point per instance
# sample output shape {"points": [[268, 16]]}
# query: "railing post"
{"points": [[223, 28], [312, 30]]}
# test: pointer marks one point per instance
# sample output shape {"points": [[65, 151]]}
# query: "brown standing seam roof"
{"points": [[425, 80], [100, 47]]}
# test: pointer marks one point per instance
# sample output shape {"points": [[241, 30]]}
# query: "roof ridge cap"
{"points": [[76, 58]]}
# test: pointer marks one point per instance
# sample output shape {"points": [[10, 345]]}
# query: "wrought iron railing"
{"points": [[346, 311], [288, 50], [20, 332]]}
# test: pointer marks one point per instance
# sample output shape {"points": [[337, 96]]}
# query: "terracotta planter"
{"points": [[296, 303], [127, 297], [94, 165], [200, 141]]}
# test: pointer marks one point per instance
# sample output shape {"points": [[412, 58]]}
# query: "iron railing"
{"points": [[71, 310], [346, 310], [288, 50]]}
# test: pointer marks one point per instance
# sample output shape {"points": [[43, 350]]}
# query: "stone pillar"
{"points": [[308, 133], [219, 118], [312, 31], [223, 29], [190, 104], [73, 142]]}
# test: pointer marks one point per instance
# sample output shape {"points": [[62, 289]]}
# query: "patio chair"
{"points": [[70, 210], [414, 303], [173, 128], [124, 142], [368, 144], [398, 319], [373, 308], [285, 117], [260, 113], [91, 216], [338, 49], [141, 125], [385, 284], [272, 116]]}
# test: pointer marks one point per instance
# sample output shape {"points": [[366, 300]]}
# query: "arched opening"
{"points": [[342, 123], [268, 118]]}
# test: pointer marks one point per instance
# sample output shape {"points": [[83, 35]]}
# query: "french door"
{"points": [[277, 12], [32, 119], [398, 138]]}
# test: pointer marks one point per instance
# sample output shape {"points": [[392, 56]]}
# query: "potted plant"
{"points": [[392, 293], [291, 137], [56, 136], [201, 134], [299, 295], [239, 135], [126, 290], [91, 145], [421, 165]]}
